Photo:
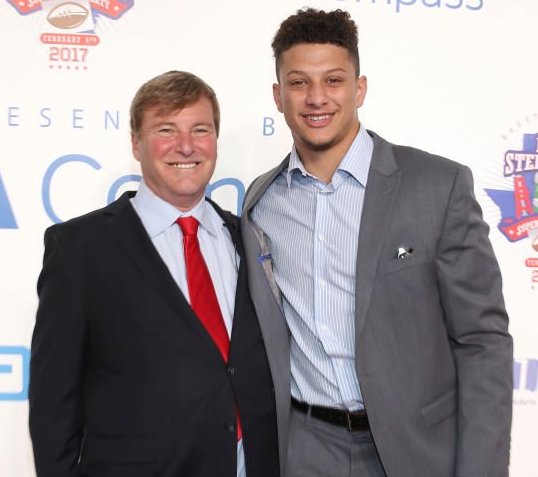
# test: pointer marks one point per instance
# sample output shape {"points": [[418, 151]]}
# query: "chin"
{"points": [[320, 146]]}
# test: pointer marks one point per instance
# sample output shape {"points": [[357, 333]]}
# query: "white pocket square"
{"points": [[404, 252]]}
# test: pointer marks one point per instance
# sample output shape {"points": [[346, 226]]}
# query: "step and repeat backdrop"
{"points": [[455, 77]]}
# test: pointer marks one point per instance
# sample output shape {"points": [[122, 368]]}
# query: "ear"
{"points": [[276, 96], [135, 146], [362, 86]]}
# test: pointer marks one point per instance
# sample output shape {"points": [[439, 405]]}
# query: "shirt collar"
{"points": [[356, 161], [157, 215]]}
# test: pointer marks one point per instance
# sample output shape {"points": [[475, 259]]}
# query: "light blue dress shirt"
{"points": [[222, 260], [313, 231]]}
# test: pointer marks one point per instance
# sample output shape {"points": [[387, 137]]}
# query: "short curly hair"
{"points": [[309, 25]]}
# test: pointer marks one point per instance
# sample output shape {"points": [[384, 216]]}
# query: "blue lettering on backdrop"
{"points": [[12, 115], [47, 179], [77, 119], [526, 375], [113, 192], [48, 117], [14, 373], [7, 219], [268, 126], [239, 187], [117, 184], [398, 4], [115, 122], [231, 181]]}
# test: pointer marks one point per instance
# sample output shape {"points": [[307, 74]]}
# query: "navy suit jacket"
{"points": [[125, 380]]}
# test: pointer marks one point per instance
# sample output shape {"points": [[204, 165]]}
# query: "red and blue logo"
{"points": [[519, 206], [70, 27], [111, 8]]}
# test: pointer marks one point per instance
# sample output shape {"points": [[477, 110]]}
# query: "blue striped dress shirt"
{"points": [[313, 230]]}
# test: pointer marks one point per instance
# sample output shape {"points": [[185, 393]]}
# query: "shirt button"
{"points": [[321, 237]]}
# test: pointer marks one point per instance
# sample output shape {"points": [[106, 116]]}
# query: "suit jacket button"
{"points": [[230, 427], [230, 370]]}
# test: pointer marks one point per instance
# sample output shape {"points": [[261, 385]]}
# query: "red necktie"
{"points": [[201, 291], [203, 297]]}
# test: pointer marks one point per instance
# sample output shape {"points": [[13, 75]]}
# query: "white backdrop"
{"points": [[455, 77]]}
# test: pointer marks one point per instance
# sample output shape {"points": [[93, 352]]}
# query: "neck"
{"points": [[321, 164]]}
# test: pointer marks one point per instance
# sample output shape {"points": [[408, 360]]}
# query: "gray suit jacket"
{"points": [[433, 352]]}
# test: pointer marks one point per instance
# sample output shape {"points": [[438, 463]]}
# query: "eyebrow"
{"points": [[300, 72], [159, 123]]}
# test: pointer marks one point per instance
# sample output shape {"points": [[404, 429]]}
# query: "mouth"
{"points": [[318, 119], [183, 165]]}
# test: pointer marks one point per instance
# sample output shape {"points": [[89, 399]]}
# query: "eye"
{"points": [[166, 131], [297, 83], [202, 130], [334, 80]]}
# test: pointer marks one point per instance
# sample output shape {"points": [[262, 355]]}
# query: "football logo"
{"points": [[69, 27], [68, 15]]}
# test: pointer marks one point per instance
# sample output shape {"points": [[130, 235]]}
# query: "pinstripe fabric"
{"points": [[313, 231]]}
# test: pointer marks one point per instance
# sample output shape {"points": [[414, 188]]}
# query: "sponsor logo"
{"points": [[518, 200], [70, 27], [14, 373], [519, 206]]}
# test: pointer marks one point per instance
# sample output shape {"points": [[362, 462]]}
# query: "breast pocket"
{"points": [[415, 256]]}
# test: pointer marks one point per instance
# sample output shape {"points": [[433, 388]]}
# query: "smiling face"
{"points": [[319, 93], [177, 152]]}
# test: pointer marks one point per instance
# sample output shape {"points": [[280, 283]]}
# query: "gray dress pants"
{"points": [[320, 449]]}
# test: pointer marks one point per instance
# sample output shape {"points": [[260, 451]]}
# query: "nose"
{"points": [[184, 144], [317, 96]]}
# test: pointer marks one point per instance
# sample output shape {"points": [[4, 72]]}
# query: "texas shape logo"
{"points": [[519, 206]]}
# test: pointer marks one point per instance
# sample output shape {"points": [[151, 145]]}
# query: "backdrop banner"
{"points": [[453, 77]]}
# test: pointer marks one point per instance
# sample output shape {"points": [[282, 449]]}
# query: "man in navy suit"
{"points": [[126, 380]]}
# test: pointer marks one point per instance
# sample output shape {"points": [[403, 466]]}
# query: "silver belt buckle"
{"points": [[349, 423]]}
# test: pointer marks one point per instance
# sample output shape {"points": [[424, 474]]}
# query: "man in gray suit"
{"points": [[377, 289]]}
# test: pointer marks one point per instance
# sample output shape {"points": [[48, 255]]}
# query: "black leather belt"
{"points": [[352, 421]]}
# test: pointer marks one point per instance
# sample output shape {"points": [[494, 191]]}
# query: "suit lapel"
{"points": [[267, 304], [231, 222], [383, 181], [128, 231], [253, 235]]}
